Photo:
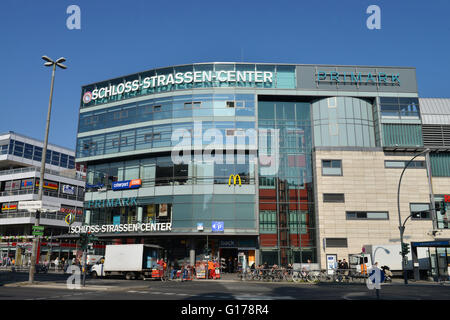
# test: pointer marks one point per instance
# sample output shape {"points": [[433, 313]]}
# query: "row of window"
{"points": [[168, 108], [334, 167], [161, 171], [238, 132], [418, 210], [28, 151]]}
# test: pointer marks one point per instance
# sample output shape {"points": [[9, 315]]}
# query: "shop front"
{"points": [[439, 255]]}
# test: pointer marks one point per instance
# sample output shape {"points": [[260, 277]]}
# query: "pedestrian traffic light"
{"points": [[405, 249]]}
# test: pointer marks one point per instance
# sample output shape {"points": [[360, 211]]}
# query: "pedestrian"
{"points": [[210, 269], [346, 268], [56, 262], [230, 265]]}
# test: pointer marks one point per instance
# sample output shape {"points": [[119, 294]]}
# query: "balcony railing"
{"points": [[44, 215], [45, 193], [72, 175]]}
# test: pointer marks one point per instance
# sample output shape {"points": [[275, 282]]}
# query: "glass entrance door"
{"points": [[442, 263]]}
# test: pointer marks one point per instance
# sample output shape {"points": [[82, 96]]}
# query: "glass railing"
{"points": [[45, 193], [72, 175], [44, 215]]}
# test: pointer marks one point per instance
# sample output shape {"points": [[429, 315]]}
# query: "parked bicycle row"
{"points": [[276, 274]]}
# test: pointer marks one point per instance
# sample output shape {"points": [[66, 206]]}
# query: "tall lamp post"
{"points": [[401, 226], [49, 63]]}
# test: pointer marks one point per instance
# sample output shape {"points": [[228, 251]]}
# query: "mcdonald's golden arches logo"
{"points": [[234, 177]]}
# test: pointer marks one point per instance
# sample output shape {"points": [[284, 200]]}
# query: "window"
{"points": [[420, 211], [28, 151], [89, 145], [230, 104], [333, 197], [402, 164], [120, 114], [400, 108], [156, 108], [336, 242], [371, 215], [122, 141], [193, 104], [91, 120], [331, 167]]}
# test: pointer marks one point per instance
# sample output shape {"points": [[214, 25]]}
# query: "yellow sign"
{"points": [[234, 177], [69, 219]]}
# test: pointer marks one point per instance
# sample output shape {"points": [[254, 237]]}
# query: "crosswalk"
{"points": [[220, 297]]}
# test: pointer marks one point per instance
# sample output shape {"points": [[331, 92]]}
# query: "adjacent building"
{"points": [[271, 163], [63, 193]]}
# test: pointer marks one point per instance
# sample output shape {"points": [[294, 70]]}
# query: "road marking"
{"points": [[169, 293], [182, 294], [349, 296], [132, 291]]}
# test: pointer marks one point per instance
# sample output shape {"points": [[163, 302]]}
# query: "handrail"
{"points": [[44, 215], [71, 175]]}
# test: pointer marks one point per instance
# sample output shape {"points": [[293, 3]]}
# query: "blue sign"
{"points": [[127, 184], [68, 189], [217, 226], [98, 185]]}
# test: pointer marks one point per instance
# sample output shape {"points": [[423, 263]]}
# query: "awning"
{"points": [[445, 243]]}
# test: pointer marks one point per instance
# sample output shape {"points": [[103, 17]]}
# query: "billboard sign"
{"points": [[127, 184]]}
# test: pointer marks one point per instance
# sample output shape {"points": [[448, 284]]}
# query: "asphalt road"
{"points": [[119, 289]]}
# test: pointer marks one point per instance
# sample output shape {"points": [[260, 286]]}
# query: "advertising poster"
{"points": [[163, 210]]}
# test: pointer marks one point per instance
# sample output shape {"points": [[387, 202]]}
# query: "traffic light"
{"points": [[405, 249], [84, 240], [443, 209], [438, 207]]}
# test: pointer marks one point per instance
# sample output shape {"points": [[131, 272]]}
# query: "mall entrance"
{"points": [[439, 253]]}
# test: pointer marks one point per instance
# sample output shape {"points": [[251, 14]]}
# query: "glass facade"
{"points": [[399, 108], [160, 136], [344, 122], [286, 201], [174, 107], [32, 152]]}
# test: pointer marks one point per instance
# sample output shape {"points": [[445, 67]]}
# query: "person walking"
{"points": [[56, 262]]}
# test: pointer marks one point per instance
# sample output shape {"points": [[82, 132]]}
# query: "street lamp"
{"points": [[49, 63], [401, 226]]}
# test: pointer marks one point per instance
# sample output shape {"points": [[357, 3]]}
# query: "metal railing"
{"points": [[71, 174], [44, 215], [45, 193]]}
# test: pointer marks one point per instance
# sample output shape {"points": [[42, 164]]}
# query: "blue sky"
{"points": [[123, 37]]}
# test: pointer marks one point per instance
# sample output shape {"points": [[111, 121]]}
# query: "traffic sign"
{"points": [[38, 233], [38, 228]]}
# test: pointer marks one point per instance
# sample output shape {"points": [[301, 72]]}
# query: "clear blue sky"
{"points": [[123, 37]]}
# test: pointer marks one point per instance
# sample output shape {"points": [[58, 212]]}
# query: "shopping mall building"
{"points": [[278, 163]]}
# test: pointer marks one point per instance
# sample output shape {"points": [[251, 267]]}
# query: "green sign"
{"points": [[38, 233], [38, 228]]}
